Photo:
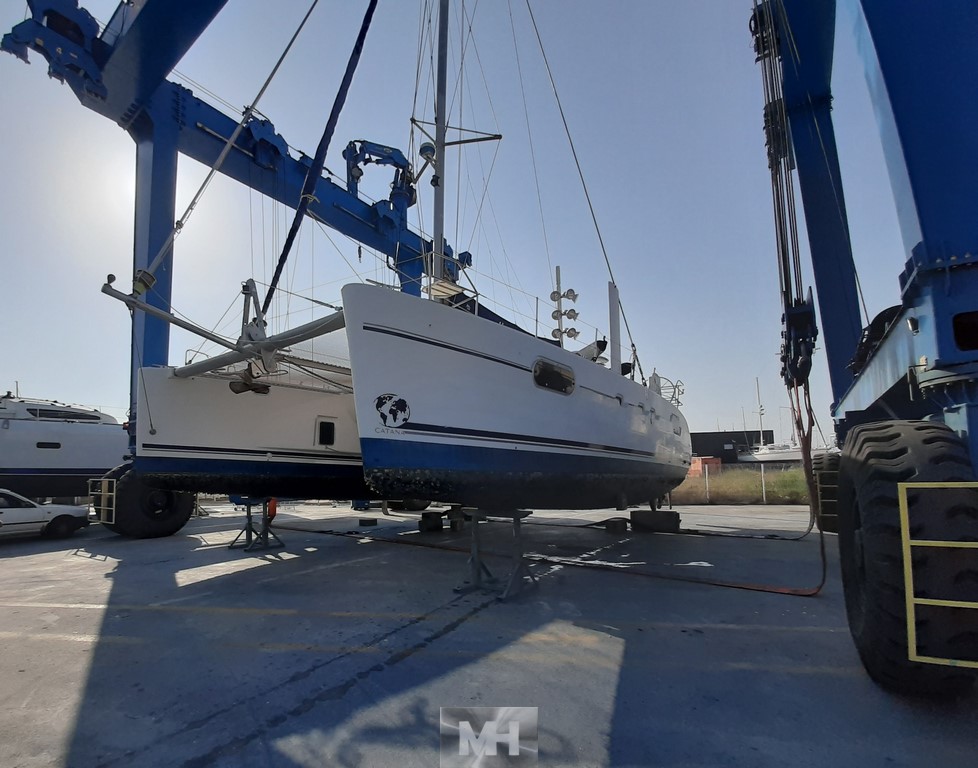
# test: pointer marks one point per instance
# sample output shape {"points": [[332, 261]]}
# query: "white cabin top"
{"points": [[24, 408]]}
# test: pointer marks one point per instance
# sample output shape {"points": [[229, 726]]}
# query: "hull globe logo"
{"points": [[393, 410], [484, 736]]}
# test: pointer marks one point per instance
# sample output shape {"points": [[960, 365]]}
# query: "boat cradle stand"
{"points": [[262, 537], [480, 577]]}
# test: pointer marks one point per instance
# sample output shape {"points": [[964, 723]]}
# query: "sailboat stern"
{"points": [[203, 434]]}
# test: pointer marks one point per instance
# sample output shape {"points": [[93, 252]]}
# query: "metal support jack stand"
{"points": [[480, 577], [521, 571], [477, 568], [260, 538]]}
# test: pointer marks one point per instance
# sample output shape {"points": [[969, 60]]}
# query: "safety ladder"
{"points": [[947, 560], [102, 491], [827, 488]]}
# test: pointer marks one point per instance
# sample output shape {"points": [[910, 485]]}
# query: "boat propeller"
{"points": [[248, 383]]}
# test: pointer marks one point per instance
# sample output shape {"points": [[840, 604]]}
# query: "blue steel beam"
{"points": [[114, 73], [147, 40], [260, 160], [921, 64], [807, 31], [156, 184]]}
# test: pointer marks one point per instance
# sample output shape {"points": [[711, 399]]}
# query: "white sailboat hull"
{"points": [[450, 409], [195, 434]]}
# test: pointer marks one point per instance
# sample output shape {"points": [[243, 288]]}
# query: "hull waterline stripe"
{"points": [[339, 458], [385, 456], [66, 471], [251, 469]]}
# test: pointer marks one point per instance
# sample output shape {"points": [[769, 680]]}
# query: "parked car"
{"points": [[19, 515]]}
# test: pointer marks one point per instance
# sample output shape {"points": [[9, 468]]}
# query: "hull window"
{"points": [[59, 415], [49, 445], [327, 433], [553, 377]]}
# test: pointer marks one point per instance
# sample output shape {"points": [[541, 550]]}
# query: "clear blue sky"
{"points": [[664, 104]]}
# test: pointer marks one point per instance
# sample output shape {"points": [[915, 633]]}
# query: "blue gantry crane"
{"points": [[120, 72], [905, 386]]}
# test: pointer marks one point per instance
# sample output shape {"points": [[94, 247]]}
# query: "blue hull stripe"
{"points": [[384, 454], [187, 466], [60, 472], [275, 453]]}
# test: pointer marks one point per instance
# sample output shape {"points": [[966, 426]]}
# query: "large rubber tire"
{"points": [[142, 512], [876, 457], [826, 512]]}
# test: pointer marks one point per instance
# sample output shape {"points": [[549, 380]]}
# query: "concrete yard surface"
{"points": [[339, 648]]}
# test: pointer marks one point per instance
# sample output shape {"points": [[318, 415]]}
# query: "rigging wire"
{"points": [[768, 49], [460, 91], [768, 46], [229, 144], [315, 170], [529, 137], [201, 88], [140, 373], [213, 329], [485, 198], [587, 195], [325, 231]]}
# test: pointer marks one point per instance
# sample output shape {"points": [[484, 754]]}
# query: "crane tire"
{"points": [[143, 512], [876, 457]]}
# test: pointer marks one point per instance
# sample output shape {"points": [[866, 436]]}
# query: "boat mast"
{"points": [[441, 86]]}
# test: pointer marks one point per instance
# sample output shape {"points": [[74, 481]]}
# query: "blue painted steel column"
{"points": [[156, 183], [922, 67], [807, 34]]}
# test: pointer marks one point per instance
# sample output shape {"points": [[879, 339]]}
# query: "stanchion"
{"points": [[480, 577]]}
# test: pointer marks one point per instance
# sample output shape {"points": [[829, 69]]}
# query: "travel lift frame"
{"points": [[905, 388]]}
